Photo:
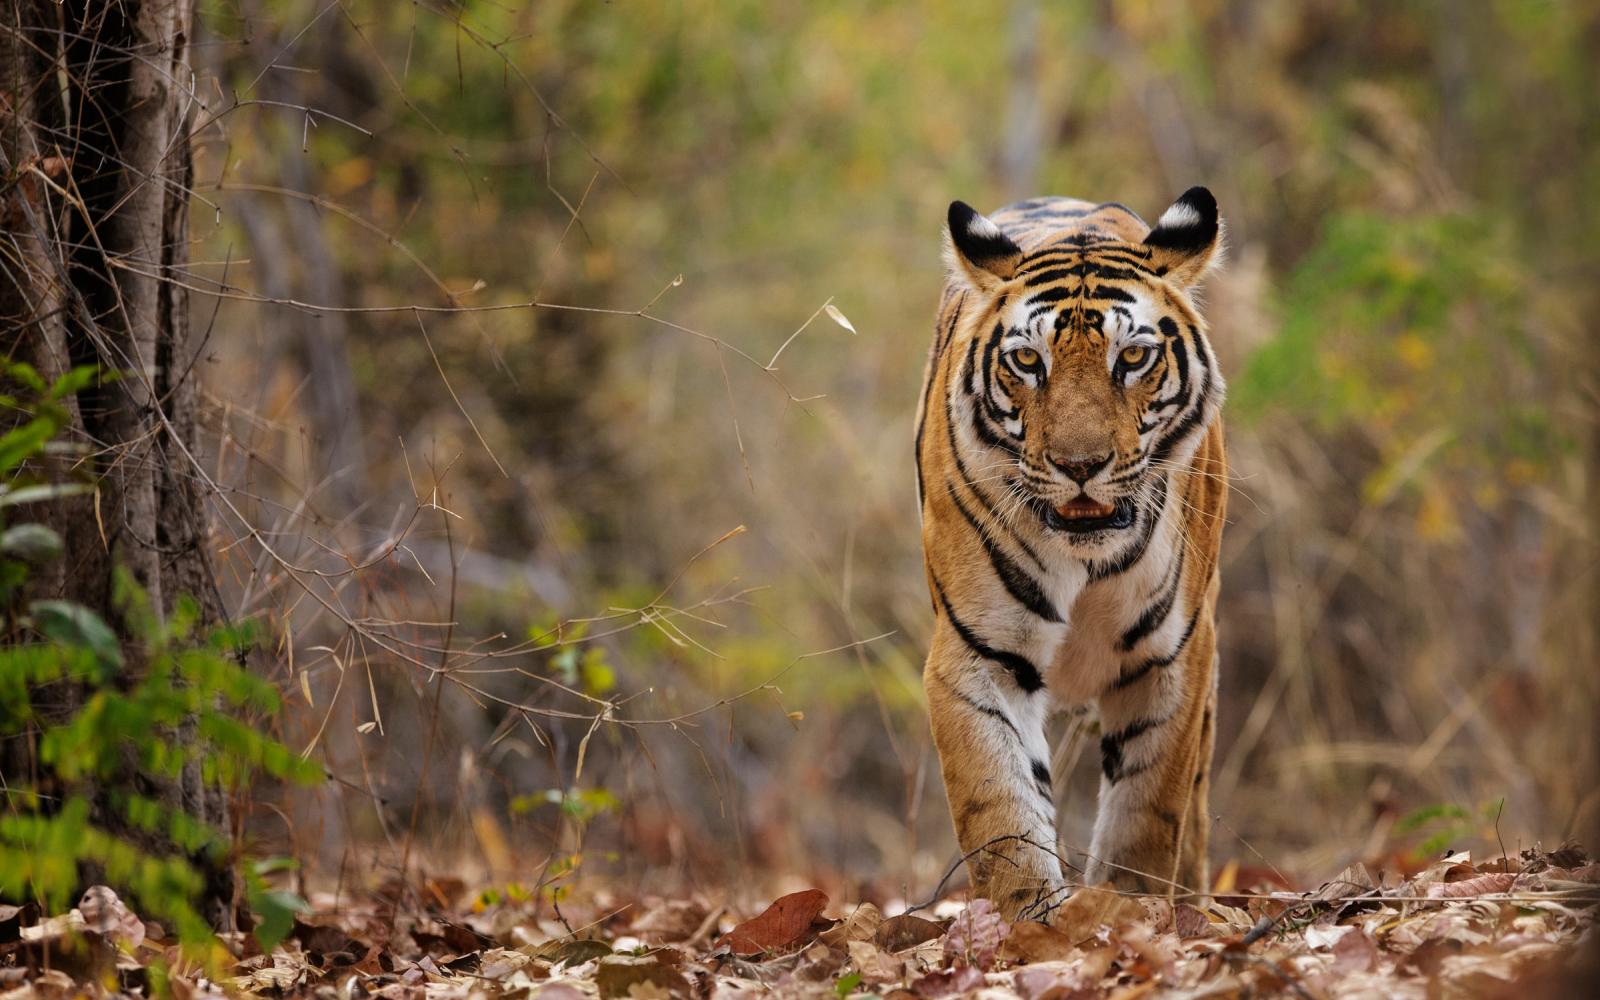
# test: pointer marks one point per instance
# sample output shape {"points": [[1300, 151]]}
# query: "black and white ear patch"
{"points": [[980, 242], [1185, 240], [1190, 223]]}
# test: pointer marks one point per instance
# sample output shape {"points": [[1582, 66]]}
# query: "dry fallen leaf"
{"points": [[619, 976], [943, 984], [670, 920], [1442, 934], [875, 965], [1031, 941], [907, 931], [1091, 908], [861, 925], [105, 913], [975, 936], [781, 927], [1477, 886], [1190, 922]]}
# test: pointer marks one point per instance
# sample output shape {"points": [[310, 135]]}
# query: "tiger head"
{"points": [[1089, 377]]}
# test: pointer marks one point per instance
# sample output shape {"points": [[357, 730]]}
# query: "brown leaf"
{"points": [[570, 951], [618, 975], [443, 892], [1588, 873], [876, 966], [318, 936], [1056, 981], [861, 925], [1031, 941], [446, 936], [1190, 922], [1496, 882], [1091, 908], [782, 926], [975, 936], [907, 931], [673, 920], [944, 984], [1353, 881], [820, 963], [1355, 952], [106, 914]]}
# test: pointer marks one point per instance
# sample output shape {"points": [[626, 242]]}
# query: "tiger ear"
{"points": [[1187, 238], [979, 248]]}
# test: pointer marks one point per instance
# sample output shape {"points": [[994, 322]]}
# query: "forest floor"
{"points": [[1507, 927]]}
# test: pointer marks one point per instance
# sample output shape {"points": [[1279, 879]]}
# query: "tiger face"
{"points": [[1090, 376]]}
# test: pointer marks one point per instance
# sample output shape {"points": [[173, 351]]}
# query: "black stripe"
{"points": [[1155, 614], [1111, 292], [1111, 746], [1049, 277], [1023, 672], [1197, 411], [990, 349], [1117, 206], [1041, 773], [978, 493], [941, 340], [992, 712], [1128, 678], [1055, 294], [1109, 273], [987, 435], [1024, 589]]}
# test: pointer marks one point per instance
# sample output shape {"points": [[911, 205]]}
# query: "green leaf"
{"points": [[24, 373], [23, 443], [598, 677], [32, 543], [75, 625], [847, 984], [1427, 814], [77, 380], [275, 911]]}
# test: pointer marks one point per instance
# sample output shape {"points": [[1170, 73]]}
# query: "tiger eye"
{"points": [[1133, 357], [1025, 357]]}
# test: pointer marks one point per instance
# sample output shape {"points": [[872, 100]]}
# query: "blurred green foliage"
{"points": [[171, 698]]}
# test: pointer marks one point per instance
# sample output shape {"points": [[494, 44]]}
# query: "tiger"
{"points": [[1072, 481]]}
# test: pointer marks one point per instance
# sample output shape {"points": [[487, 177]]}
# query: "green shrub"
{"points": [[162, 697]]}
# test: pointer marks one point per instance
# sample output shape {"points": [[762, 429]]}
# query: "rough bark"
{"points": [[98, 107]]}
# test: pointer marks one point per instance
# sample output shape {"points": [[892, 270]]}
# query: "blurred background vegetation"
{"points": [[520, 633]]}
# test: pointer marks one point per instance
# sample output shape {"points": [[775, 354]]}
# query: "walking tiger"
{"points": [[1072, 482]]}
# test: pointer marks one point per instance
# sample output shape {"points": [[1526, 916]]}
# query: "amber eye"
{"points": [[1025, 357], [1133, 357]]}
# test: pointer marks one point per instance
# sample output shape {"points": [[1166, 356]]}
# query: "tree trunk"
{"points": [[98, 105]]}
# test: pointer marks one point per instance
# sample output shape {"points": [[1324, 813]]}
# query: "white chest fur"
{"points": [[1105, 613]]}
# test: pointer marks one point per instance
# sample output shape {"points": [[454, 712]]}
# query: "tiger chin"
{"points": [[1072, 481]]}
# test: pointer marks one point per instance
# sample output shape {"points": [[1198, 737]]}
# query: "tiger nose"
{"points": [[1081, 468]]}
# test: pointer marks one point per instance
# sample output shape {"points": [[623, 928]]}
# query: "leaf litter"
{"points": [[1461, 928]]}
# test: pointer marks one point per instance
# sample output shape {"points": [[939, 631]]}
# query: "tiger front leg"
{"points": [[1152, 824], [992, 751]]}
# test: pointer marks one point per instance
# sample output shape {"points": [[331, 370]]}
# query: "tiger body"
{"points": [[1072, 479]]}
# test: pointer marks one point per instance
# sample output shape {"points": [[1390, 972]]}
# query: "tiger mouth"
{"points": [[1084, 515]]}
